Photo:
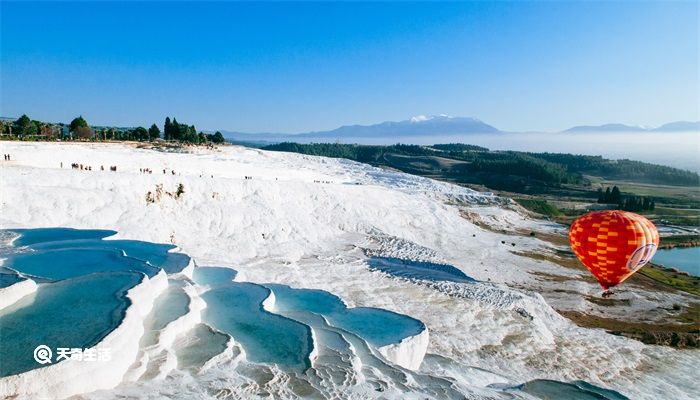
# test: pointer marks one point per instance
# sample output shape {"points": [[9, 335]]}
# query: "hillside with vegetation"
{"points": [[558, 186], [501, 170]]}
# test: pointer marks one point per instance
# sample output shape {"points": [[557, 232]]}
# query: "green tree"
{"points": [[175, 131], [168, 129], [78, 122], [24, 126], [153, 132], [615, 197], [217, 137], [192, 135], [607, 195], [140, 133]]}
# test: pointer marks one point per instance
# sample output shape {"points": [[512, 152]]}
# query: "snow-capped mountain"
{"points": [[426, 126], [422, 125]]}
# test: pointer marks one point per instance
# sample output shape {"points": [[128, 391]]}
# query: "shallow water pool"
{"points": [[8, 278], [420, 270], [67, 263], [236, 309], [82, 293], [30, 237], [378, 327], [213, 276], [74, 313], [576, 390]]}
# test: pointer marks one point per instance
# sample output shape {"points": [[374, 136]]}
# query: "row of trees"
{"points": [[477, 160], [637, 171], [636, 203], [179, 132], [551, 168], [627, 203], [79, 128], [174, 131], [610, 196], [25, 126]]}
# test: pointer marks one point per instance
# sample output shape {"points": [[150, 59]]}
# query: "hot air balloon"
{"points": [[613, 244]]}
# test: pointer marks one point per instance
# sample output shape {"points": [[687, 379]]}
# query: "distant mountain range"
{"points": [[679, 126], [433, 125], [417, 126]]}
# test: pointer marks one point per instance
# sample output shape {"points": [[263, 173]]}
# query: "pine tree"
{"points": [[175, 135], [153, 132], [615, 196], [218, 137], [168, 129], [608, 198]]}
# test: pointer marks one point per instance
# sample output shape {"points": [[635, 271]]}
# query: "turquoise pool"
{"points": [[82, 293], [420, 270], [75, 313], [213, 276], [236, 309], [378, 327], [576, 390]]}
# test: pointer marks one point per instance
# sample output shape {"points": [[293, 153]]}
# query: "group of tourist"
{"points": [[7, 157], [82, 167], [113, 168]]}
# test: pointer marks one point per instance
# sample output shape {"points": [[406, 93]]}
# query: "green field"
{"points": [[689, 284], [540, 207]]}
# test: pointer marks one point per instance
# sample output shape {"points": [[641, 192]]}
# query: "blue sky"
{"points": [[286, 67]]}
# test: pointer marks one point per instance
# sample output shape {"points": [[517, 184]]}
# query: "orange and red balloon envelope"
{"points": [[613, 244]]}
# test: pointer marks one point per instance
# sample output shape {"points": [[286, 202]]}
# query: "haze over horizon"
{"points": [[306, 67]]}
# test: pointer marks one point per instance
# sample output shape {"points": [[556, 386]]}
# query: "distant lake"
{"points": [[684, 258], [680, 150]]}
